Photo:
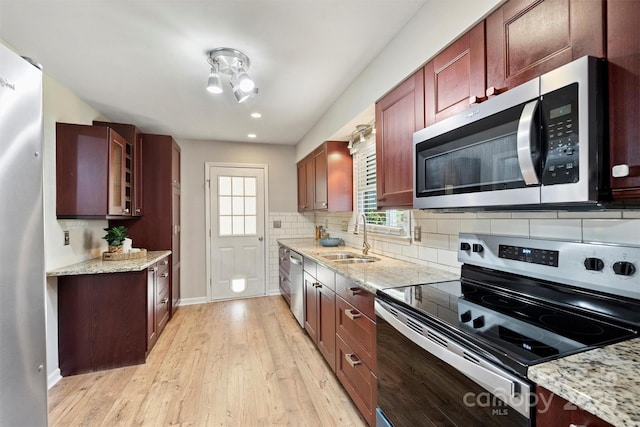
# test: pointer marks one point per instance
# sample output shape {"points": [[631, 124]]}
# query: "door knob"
{"points": [[261, 238]]}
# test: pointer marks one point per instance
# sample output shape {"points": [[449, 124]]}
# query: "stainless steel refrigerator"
{"points": [[23, 374]]}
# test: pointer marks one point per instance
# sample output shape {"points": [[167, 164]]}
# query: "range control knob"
{"points": [[594, 264], [466, 316], [478, 322], [477, 247], [624, 268], [464, 246]]}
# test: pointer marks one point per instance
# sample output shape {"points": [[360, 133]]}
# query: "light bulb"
{"points": [[213, 85]]}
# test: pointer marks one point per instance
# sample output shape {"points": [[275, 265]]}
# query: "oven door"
{"points": [[425, 378]]}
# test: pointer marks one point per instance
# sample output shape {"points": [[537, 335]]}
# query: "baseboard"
{"points": [[53, 378], [192, 301]]}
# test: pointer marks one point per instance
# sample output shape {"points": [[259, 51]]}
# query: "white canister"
{"points": [[126, 245]]}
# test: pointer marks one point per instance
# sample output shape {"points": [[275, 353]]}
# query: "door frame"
{"points": [[207, 217]]}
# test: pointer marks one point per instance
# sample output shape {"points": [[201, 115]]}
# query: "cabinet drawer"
{"points": [[310, 266], [326, 276], [162, 299], [358, 331], [361, 299], [357, 379]]}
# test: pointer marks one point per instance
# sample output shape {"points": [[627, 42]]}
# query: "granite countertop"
{"points": [[98, 266], [386, 272], [604, 381]]}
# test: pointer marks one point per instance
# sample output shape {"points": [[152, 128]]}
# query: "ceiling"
{"points": [[145, 61]]}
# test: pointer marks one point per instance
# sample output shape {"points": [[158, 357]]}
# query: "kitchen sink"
{"points": [[349, 258], [356, 260]]}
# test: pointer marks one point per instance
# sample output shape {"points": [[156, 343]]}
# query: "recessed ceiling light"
{"points": [[252, 135], [256, 115]]}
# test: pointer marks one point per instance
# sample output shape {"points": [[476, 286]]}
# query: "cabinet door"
{"points": [[310, 307], [305, 184], [326, 312], [320, 199], [623, 50], [455, 78], [117, 190], [553, 410], [175, 248], [138, 203], [526, 38], [398, 115]]}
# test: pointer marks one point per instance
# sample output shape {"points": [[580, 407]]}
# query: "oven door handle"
{"points": [[526, 141], [446, 350]]}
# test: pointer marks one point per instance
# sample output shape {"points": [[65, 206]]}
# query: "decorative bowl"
{"points": [[330, 241]]}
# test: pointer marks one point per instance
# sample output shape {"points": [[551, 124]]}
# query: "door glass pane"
{"points": [[225, 226], [238, 186], [237, 205], [225, 205], [224, 186], [250, 186]]}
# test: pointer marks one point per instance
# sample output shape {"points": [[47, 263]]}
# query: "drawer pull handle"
{"points": [[165, 262], [164, 275], [350, 359], [354, 291], [351, 314], [164, 300], [317, 285]]}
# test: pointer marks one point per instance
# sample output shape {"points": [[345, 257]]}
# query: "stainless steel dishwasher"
{"points": [[296, 276]]}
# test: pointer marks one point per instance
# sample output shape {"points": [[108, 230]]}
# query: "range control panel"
{"points": [[613, 269]]}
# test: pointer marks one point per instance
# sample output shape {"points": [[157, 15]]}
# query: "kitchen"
{"points": [[439, 230]]}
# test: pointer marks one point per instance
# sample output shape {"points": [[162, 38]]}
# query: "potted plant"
{"points": [[115, 237]]}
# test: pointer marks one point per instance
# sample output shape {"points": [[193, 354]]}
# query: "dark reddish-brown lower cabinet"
{"points": [[553, 410], [320, 309], [110, 320], [359, 381], [356, 345], [101, 321]]}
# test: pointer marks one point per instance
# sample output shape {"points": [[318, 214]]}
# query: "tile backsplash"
{"points": [[438, 246]]}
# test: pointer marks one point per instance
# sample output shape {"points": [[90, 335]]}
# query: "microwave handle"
{"points": [[526, 138]]}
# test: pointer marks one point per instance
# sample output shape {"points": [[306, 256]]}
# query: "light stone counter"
{"points": [[386, 272], [604, 381], [98, 266]]}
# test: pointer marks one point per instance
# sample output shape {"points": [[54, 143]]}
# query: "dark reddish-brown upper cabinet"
{"points": [[623, 47], [398, 115], [134, 139], [94, 172], [456, 77], [325, 179], [159, 228], [527, 38]]}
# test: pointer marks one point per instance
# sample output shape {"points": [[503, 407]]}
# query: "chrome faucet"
{"points": [[365, 244]]}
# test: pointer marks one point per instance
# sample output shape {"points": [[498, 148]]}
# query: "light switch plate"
{"points": [[66, 237], [417, 233]]}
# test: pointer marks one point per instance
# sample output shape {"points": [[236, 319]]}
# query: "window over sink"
{"points": [[391, 221]]}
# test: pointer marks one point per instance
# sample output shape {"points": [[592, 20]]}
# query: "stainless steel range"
{"points": [[457, 352]]}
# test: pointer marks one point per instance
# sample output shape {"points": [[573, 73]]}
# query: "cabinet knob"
{"points": [[164, 300], [138, 210], [620, 171], [125, 210], [351, 360], [382, 199], [164, 275], [165, 262], [493, 91], [324, 204], [351, 314]]}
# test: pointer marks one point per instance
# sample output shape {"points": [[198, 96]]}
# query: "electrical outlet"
{"points": [[417, 233], [277, 223], [66, 237]]}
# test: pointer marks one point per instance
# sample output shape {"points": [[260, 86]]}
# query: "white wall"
{"points": [[435, 26], [282, 193], [61, 105]]}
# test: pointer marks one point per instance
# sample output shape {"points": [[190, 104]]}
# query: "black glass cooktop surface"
{"points": [[521, 326]]}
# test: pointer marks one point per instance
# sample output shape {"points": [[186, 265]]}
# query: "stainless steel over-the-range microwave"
{"points": [[540, 144]]}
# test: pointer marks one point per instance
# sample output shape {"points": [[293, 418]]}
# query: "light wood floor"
{"points": [[232, 363]]}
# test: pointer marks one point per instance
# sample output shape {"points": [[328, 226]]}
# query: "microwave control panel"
{"points": [[560, 116]]}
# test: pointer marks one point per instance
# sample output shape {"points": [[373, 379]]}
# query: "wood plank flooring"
{"points": [[232, 363]]}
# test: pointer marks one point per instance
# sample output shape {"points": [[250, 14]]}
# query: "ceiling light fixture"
{"points": [[256, 115], [234, 63]]}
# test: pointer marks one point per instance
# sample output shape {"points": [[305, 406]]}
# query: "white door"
{"points": [[237, 243]]}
